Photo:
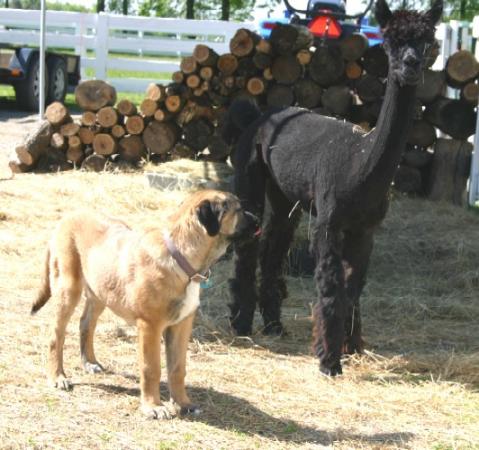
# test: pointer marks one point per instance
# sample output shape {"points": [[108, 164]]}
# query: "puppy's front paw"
{"points": [[62, 382], [158, 412], [93, 367]]}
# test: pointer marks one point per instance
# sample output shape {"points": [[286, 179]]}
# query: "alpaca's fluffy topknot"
{"points": [[408, 25]]}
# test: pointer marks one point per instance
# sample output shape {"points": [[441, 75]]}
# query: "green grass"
{"points": [[7, 91], [118, 73]]}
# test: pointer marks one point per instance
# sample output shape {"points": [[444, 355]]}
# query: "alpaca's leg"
{"points": [[277, 236], [243, 288], [356, 252], [250, 188], [330, 310]]}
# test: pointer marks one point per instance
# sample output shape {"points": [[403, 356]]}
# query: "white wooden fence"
{"points": [[110, 41]]}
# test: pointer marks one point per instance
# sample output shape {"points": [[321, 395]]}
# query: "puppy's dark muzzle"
{"points": [[248, 226]]}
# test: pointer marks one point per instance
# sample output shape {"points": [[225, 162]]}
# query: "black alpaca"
{"points": [[295, 159]]}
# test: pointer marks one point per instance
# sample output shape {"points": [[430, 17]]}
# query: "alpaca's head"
{"points": [[408, 36]]}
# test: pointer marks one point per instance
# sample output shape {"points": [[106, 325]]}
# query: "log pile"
{"points": [[438, 167], [345, 79]]}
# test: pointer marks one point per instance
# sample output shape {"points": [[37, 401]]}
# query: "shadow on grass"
{"points": [[458, 366], [237, 415]]}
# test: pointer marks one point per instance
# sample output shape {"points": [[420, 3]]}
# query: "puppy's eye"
{"points": [[225, 206]]}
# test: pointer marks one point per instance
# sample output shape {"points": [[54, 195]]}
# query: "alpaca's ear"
{"points": [[208, 217], [435, 13], [382, 13]]}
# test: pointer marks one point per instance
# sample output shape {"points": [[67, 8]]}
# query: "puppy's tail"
{"points": [[241, 113], [44, 292]]}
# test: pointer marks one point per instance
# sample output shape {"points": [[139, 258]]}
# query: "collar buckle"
{"points": [[199, 278]]}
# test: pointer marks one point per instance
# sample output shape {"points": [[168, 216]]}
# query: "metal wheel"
{"points": [[58, 79], [27, 91]]}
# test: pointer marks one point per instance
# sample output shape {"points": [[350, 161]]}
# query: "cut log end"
{"points": [[131, 148], [227, 64], [148, 107], [461, 67], [126, 108], [255, 86], [93, 95], [107, 117], [188, 65], [243, 43], [57, 113], [88, 118], [157, 92], [204, 55], [160, 137], [104, 144], [94, 163], [134, 124]]}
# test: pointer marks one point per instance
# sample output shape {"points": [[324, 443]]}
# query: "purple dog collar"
{"points": [[193, 275]]}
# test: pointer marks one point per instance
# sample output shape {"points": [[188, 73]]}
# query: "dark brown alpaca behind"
{"points": [[292, 156]]}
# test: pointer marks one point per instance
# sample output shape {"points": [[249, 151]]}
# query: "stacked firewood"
{"points": [[437, 159], [344, 79], [61, 143]]}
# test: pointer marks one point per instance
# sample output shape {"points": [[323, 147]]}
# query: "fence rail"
{"points": [[110, 41]]}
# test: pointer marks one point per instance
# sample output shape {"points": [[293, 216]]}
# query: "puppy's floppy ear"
{"points": [[382, 13], [208, 217]]}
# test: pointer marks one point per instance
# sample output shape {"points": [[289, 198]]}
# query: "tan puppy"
{"points": [[149, 277]]}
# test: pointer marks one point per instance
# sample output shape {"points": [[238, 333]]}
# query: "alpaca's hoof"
{"points": [[331, 371], [274, 329], [350, 347], [241, 329]]}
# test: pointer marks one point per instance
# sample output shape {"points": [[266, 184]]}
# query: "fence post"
{"points": [[80, 47], [474, 175], [466, 36], [101, 47]]}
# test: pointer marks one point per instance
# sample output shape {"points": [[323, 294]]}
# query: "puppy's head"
{"points": [[221, 214]]}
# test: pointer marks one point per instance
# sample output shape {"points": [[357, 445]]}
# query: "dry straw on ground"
{"points": [[416, 387]]}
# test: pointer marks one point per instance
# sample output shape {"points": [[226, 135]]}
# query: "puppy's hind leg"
{"points": [[91, 313], [68, 293]]}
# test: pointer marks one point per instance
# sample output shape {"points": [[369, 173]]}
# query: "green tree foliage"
{"points": [[461, 9], [52, 6], [121, 7], [25, 4], [196, 9], [270, 5], [202, 9], [453, 9], [213, 9], [158, 8]]}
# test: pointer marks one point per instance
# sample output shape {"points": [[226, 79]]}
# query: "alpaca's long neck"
{"points": [[388, 139]]}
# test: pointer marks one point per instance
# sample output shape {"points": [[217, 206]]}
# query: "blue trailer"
{"points": [[19, 67]]}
